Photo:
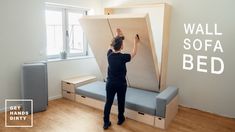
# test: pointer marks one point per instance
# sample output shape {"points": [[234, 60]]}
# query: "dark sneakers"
{"points": [[120, 121], [107, 125]]}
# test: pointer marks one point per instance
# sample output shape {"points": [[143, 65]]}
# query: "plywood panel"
{"points": [[156, 13], [159, 15], [143, 69], [99, 36], [165, 47]]}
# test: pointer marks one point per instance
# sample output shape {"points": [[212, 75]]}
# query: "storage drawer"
{"points": [[68, 86], [139, 116], [95, 103], [90, 102], [160, 122], [68, 95]]}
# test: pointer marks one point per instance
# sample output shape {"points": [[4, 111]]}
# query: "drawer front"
{"points": [[90, 102], [95, 103], [160, 122], [141, 117], [68, 95], [68, 86]]}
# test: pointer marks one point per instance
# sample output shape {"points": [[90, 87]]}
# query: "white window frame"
{"points": [[65, 28]]}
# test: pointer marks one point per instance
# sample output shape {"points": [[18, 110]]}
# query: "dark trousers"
{"points": [[111, 90]]}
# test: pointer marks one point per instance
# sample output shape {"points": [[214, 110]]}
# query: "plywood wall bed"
{"points": [[148, 99]]}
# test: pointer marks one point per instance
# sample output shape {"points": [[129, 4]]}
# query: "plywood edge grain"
{"points": [[165, 46], [79, 79]]}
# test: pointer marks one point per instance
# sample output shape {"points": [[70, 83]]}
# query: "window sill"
{"points": [[69, 58]]}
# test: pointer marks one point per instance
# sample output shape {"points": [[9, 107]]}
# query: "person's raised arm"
{"points": [[134, 51]]}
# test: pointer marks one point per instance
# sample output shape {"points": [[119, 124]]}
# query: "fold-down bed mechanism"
{"points": [[144, 101]]}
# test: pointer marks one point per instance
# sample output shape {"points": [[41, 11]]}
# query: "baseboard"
{"points": [[55, 97], [206, 111]]}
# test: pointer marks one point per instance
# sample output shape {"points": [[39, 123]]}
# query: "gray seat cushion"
{"points": [[94, 90], [141, 100], [136, 99]]}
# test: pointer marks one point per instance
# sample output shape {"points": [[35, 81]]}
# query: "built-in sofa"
{"points": [[149, 107]]}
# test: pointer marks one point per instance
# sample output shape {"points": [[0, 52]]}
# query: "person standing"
{"points": [[116, 80]]}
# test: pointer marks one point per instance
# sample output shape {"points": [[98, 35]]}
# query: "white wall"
{"points": [[60, 70], [22, 39], [204, 91]]}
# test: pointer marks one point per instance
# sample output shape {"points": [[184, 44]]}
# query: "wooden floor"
{"points": [[67, 116]]}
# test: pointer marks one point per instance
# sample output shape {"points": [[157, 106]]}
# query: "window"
{"points": [[64, 33], [54, 32]]}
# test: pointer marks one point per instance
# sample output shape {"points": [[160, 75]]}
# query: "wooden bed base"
{"points": [[171, 111]]}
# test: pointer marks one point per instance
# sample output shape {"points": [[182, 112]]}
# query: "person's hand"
{"points": [[137, 39], [119, 32]]}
